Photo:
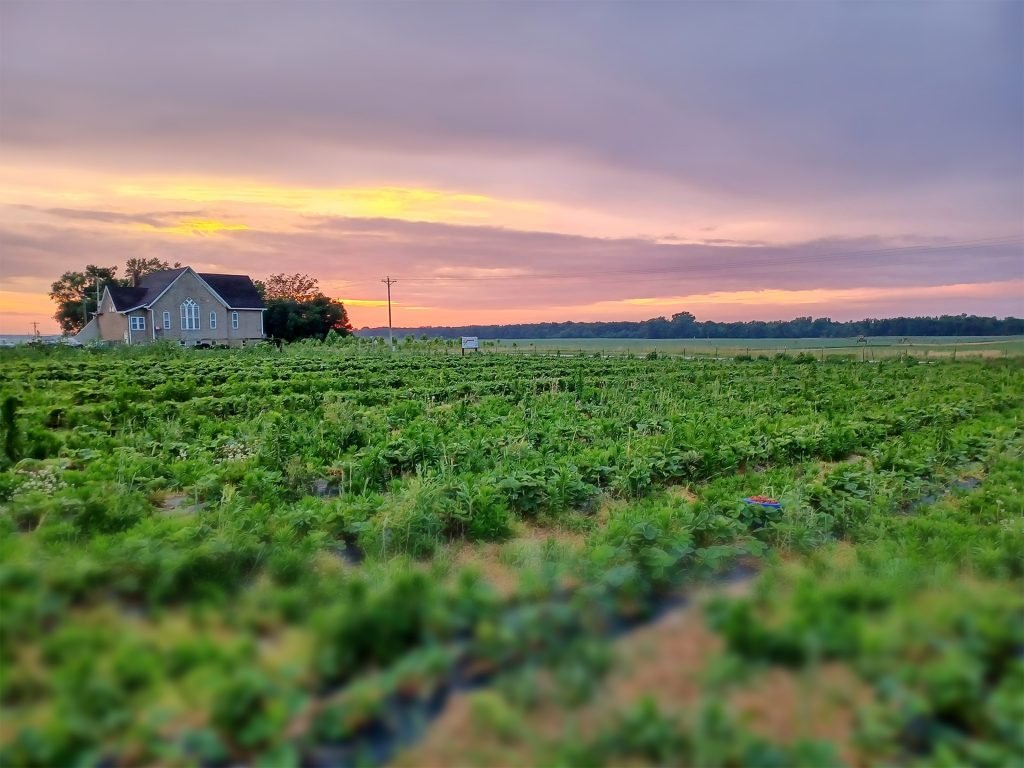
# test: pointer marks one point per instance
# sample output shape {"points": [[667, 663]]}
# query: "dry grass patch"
{"points": [[485, 559], [683, 492], [821, 703], [501, 564], [826, 467]]}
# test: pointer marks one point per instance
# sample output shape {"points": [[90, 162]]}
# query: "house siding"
{"points": [[115, 326], [188, 286], [143, 336], [250, 323], [112, 324], [91, 332]]}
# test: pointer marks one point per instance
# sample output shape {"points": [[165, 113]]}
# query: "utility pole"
{"points": [[35, 330], [389, 282]]}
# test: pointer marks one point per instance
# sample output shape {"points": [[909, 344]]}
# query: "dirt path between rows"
{"points": [[667, 661]]}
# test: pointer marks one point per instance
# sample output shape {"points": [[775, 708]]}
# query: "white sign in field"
{"points": [[471, 342]]}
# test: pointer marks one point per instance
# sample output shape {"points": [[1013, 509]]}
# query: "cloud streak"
{"points": [[485, 274]]}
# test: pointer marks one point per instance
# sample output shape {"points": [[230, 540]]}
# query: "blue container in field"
{"points": [[771, 503]]}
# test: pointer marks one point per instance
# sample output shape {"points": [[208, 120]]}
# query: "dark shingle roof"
{"points": [[156, 282], [238, 291], [126, 298], [149, 287]]}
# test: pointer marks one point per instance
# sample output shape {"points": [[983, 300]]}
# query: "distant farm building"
{"points": [[180, 305]]}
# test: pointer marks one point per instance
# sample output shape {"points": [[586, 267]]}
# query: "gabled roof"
{"points": [[126, 298], [235, 291], [146, 292], [238, 291], [156, 283]]}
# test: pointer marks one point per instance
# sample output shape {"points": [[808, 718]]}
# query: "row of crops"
{"points": [[265, 557]]}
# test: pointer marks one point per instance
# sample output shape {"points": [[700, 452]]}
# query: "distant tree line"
{"points": [[684, 325]]}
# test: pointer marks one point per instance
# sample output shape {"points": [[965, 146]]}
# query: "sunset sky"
{"points": [[521, 162]]}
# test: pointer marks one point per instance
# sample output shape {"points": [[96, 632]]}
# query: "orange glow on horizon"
{"points": [[19, 309], [721, 306], [783, 298]]}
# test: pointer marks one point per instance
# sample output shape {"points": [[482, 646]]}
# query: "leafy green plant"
{"points": [[247, 709]]}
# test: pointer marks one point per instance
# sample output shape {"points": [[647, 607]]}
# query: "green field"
{"points": [[333, 555], [923, 347]]}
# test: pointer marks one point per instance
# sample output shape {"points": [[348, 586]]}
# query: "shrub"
{"points": [[247, 709], [372, 627], [413, 525]]}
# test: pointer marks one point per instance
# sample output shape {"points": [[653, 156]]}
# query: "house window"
{"points": [[234, 320], [213, 321], [138, 322], [189, 315], [167, 321]]}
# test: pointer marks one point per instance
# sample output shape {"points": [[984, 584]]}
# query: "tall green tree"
{"points": [[288, 320], [284, 287], [75, 295], [136, 269], [298, 309]]}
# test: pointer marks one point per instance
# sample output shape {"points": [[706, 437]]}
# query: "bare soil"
{"points": [[666, 661]]}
